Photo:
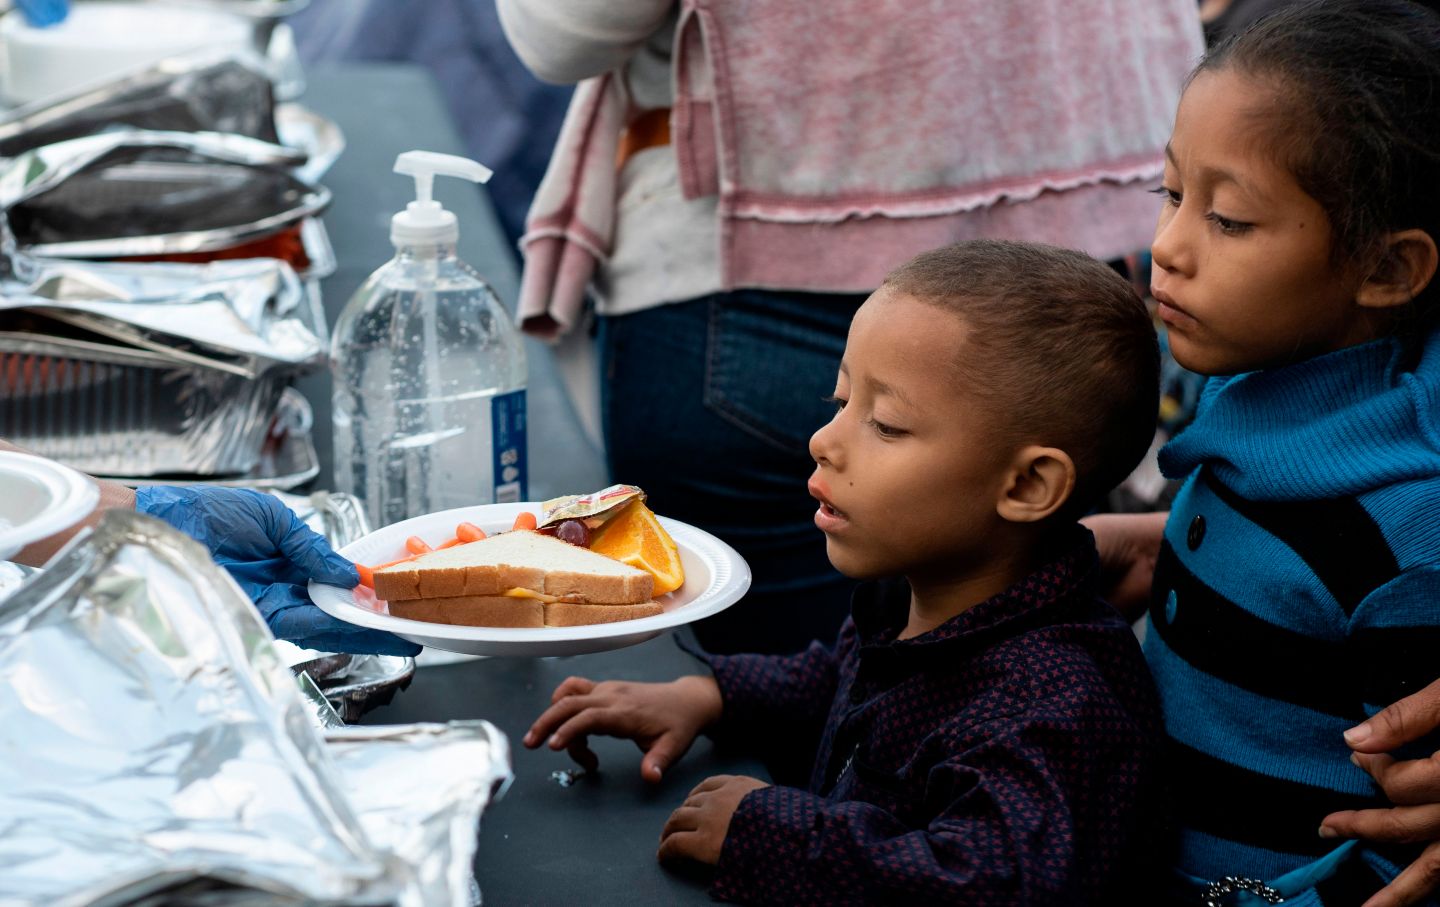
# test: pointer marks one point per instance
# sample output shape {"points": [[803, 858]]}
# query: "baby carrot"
{"points": [[450, 544], [469, 532], [416, 545], [526, 520], [367, 576], [408, 557]]}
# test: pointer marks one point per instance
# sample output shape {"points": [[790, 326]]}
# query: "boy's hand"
{"points": [[1412, 785], [662, 718], [696, 831]]}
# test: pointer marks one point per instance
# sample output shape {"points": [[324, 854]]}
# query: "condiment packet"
{"points": [[594, 509]]}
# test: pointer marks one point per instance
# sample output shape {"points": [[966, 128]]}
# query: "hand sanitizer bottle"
{"points": [[429, 371]]}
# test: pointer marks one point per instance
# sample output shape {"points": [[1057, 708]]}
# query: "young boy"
{"points": [[984, 731]]}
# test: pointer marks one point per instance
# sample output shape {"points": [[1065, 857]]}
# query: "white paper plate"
{"points": [[38, 498], [715, 578]]}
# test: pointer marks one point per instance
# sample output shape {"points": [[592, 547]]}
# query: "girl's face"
{"points": [[1242, 270]]}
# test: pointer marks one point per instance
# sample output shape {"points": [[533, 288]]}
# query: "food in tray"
{"points": [[520, 578], [540, 573]]}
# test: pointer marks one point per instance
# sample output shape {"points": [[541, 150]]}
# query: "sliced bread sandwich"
{"points": [[516, 579]]}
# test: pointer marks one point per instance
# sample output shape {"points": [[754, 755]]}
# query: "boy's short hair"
{"points": [[1062, 351]]}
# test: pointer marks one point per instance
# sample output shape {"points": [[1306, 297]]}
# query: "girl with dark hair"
{"points": [[1297, 578]]}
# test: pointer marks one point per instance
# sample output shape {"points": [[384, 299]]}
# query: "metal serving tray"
{"points": [[110, 410]]}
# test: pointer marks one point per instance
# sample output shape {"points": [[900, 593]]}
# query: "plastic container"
{"points": [[98, 41], [429, 371]]}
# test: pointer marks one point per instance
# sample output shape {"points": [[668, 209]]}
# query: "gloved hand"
{"points": [[272, 555], [43, 13]]}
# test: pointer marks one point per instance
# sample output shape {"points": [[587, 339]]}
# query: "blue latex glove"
{"points": [[272, 555], [43, 13]]}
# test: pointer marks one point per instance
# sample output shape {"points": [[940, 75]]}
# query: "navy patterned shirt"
{"points": [[1009, 756]]}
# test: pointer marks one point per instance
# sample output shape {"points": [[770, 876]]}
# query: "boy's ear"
{"points": [[1406, 266], [1042, 480]]}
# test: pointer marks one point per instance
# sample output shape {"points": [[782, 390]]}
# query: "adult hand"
{"points": [[43, 13], [272, 555], [696, 831], [1129, 546], [662, 718], [1413, 785]]}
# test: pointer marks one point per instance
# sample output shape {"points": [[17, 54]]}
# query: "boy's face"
{"points": [[909, 471], [1242, 254]]}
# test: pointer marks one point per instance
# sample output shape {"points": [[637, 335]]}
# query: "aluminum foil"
{"points": [[338, 516], [109, 411], [245, 317], [133, 192], [139, 370], [320, 138], [154, 741], [210, 93]]}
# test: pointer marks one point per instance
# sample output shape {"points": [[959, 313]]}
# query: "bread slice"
{"points": [[473, 611], [507, 611], [568, 614], [520, 559]]}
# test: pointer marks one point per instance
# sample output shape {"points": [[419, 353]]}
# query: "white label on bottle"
{"points": [[507, 424]]}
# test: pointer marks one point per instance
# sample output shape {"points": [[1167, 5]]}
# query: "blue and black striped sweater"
{"points": [[1298, 592]]}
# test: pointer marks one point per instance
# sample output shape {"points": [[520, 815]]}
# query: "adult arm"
{"points": [[260, 542], [1395, 625], [1129, 546], [565, 42]]}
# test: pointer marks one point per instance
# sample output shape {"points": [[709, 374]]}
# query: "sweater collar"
{"points": [[1338, 424]]}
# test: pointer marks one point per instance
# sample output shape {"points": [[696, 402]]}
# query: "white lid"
{"points": [[424, 221], [41, 498]]}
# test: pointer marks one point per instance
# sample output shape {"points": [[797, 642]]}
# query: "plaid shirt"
{"points": [[1010, 756]]}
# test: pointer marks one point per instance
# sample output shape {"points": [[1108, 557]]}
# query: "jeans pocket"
{"points": [[771, 360]]}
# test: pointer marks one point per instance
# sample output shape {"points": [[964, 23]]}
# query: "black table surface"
{"points": [[593, 842]]}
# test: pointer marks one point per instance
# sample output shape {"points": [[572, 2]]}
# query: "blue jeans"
{"points": [[709, 406]]}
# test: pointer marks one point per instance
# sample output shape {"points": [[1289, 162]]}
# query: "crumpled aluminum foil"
{"points": [[207, 93], [136, 192], [337, 515], [154, 741], [244, 317], [146, 369]]}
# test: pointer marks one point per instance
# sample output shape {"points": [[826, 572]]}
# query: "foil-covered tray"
{"points": [[209, 93], [287, 456], [320, 138], [109, 410], [133, 193], [206, 92], [355, 684], [245, 316], [156, 743], [338, 516]]}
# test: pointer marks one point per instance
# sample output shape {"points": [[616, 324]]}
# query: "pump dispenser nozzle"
{"points": [[424, 221]]}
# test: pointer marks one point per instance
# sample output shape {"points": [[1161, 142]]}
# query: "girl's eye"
{"points": [[1170, 195], [883, 430], [838, 401], [1227, 226]]}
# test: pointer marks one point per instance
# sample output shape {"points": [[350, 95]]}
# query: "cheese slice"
{"points": [[518, 592]]}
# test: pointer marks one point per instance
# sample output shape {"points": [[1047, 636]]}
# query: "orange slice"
{"points": [[635, 537]]}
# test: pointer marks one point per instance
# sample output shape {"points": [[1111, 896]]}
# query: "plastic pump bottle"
{"points": [[429, 371]]}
